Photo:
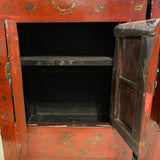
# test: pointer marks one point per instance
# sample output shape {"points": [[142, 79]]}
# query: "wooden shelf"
{"points": [[66, 61]]}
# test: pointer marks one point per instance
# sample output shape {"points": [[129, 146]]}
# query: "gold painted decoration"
{"points": [[66, 139], [97, 140], [138, 6], [5, 115], [65, 10], [101, 6], [30, 7]]}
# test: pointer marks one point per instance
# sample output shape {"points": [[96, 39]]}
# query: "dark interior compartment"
{"points": [[77, 91], [66, 39], [55, 94]]}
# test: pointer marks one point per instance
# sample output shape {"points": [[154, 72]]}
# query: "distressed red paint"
{"points": [[8, 130], [83, 11], [155, 13], [76, 142]]}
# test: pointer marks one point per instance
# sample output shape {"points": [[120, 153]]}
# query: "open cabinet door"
{"points": [[133, 81]]}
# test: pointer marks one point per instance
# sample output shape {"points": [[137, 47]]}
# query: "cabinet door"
{"points": [[133, 80]]}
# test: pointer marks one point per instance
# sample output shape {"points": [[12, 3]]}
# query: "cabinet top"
{"points": [[73, 10]]}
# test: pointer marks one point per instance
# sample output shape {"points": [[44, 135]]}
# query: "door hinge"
{"points": [[8, 74]]}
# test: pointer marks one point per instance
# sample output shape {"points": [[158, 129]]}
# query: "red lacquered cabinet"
{"points": [[76, 85]]}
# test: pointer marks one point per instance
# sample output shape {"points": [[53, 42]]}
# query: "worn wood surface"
{"points": [[7, 123], [141, 28], [73, 10], [131, 106], [66, 61], [17, 88]]}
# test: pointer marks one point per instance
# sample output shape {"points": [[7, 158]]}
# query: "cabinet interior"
{"points": [[67, 71]]}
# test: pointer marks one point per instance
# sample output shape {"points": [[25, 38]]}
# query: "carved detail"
{"points": [[138, 6], [65, 10], [101, 6]]}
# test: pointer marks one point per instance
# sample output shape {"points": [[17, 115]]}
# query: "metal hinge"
{"points": [[8, 74]]}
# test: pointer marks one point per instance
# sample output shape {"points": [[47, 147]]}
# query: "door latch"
{"points": [[8, 74]]}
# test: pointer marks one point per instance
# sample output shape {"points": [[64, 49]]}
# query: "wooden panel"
{"points": [[129, 67], [73, 10], [77, 142], [7, 123], [17, 89], [127, 105], [139, 89]]}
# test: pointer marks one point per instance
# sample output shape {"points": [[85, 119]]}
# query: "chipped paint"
{"points": [[125, 152], [152, 124], [114, 146], [35, 130], [104, 154], [30, 7], [4, 115], [4, 97], [65, 10], [10, 152], [101, 6], [59, 150], [45, 148], [66, 140], [83, 151], [138, 6]]}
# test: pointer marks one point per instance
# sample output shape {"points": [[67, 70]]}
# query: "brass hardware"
{"points": [[101, 6], [65, 10]]}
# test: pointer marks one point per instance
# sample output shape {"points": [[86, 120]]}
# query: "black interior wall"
{"points": [[66, 39], [67, 94]]}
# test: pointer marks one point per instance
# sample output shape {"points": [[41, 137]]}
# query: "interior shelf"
{"points": [[66, 61]]}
